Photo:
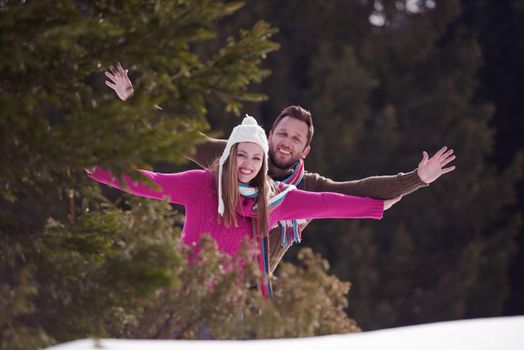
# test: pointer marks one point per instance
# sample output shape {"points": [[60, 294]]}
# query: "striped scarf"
{"points": [[290, 229]]}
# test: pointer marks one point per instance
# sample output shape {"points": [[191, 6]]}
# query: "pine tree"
{"points": [[72, 263], [449, 246]]}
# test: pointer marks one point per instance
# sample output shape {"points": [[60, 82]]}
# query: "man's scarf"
{"points": [[290, 229]]}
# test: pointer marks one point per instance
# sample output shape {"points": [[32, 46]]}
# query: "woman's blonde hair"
{"points": [[231, 195]]}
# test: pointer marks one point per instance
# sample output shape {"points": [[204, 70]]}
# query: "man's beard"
{"points": [[282, 165]]}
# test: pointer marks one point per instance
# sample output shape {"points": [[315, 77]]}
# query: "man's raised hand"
{"points": [[119, 81], [430, 169]]}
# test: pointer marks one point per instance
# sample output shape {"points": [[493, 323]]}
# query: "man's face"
{"points": [[287, 143]]}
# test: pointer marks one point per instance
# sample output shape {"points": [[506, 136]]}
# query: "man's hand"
{"points": [[119, 81], [430, 169]]}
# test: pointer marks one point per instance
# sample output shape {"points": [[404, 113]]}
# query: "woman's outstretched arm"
{"points": [[318, 205], [180, 188]]}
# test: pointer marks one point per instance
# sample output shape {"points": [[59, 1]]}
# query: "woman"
{"points": [[248, 201]]}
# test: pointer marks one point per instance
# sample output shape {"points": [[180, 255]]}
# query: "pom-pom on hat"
{"points": [[248, 131]]}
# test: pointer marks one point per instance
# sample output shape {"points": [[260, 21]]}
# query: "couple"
{"points": [[222, 200]]}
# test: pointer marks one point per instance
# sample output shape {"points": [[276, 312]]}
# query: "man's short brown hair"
{"points": [[299, 113]]}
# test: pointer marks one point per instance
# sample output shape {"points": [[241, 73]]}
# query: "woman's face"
{"points": [[249, 161]]}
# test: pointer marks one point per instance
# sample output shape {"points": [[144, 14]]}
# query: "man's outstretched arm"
{"points": [[206, 151], [379, 187], [386, 187]]}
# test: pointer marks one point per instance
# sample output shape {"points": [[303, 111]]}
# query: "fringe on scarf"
{"points": [[290, 229]]}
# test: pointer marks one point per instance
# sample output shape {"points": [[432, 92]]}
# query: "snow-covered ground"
{"points": [[502, 333]]}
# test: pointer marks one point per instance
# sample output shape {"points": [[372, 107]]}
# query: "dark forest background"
{"points": [[384, 81]]}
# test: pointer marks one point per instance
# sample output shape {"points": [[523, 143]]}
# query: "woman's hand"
{"points": [[388, 203], [119, 81], [89, 171]]}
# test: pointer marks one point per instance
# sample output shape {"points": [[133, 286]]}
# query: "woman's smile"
{"points": [[249, 161]]}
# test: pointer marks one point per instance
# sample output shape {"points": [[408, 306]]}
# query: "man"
{"points": [[289, 144]]}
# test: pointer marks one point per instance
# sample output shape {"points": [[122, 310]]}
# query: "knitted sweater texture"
{"points": [[196, 191], [380, 187]]}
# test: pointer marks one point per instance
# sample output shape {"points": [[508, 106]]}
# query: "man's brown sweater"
{"points": [[378, 187]]}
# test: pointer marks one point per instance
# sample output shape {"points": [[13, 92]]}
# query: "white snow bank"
{"points": [[502, 333]]}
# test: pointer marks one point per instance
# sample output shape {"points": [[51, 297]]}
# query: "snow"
{"points": [[501, 333]]}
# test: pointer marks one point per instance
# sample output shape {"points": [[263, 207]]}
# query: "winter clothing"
{"points": [[382, 187], [196, 190], [290, 228], [248, 131]]}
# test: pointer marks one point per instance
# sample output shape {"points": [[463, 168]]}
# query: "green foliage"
{"points": [[52, 119], [69, 280], [119, 273], [224, 305], [72, 264], [310, 302]]}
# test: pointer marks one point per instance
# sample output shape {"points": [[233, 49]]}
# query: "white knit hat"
{"points": [[248, 131]]}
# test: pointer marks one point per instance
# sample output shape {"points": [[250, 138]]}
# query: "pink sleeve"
{"points": [[180, 188], [318, 205]]}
